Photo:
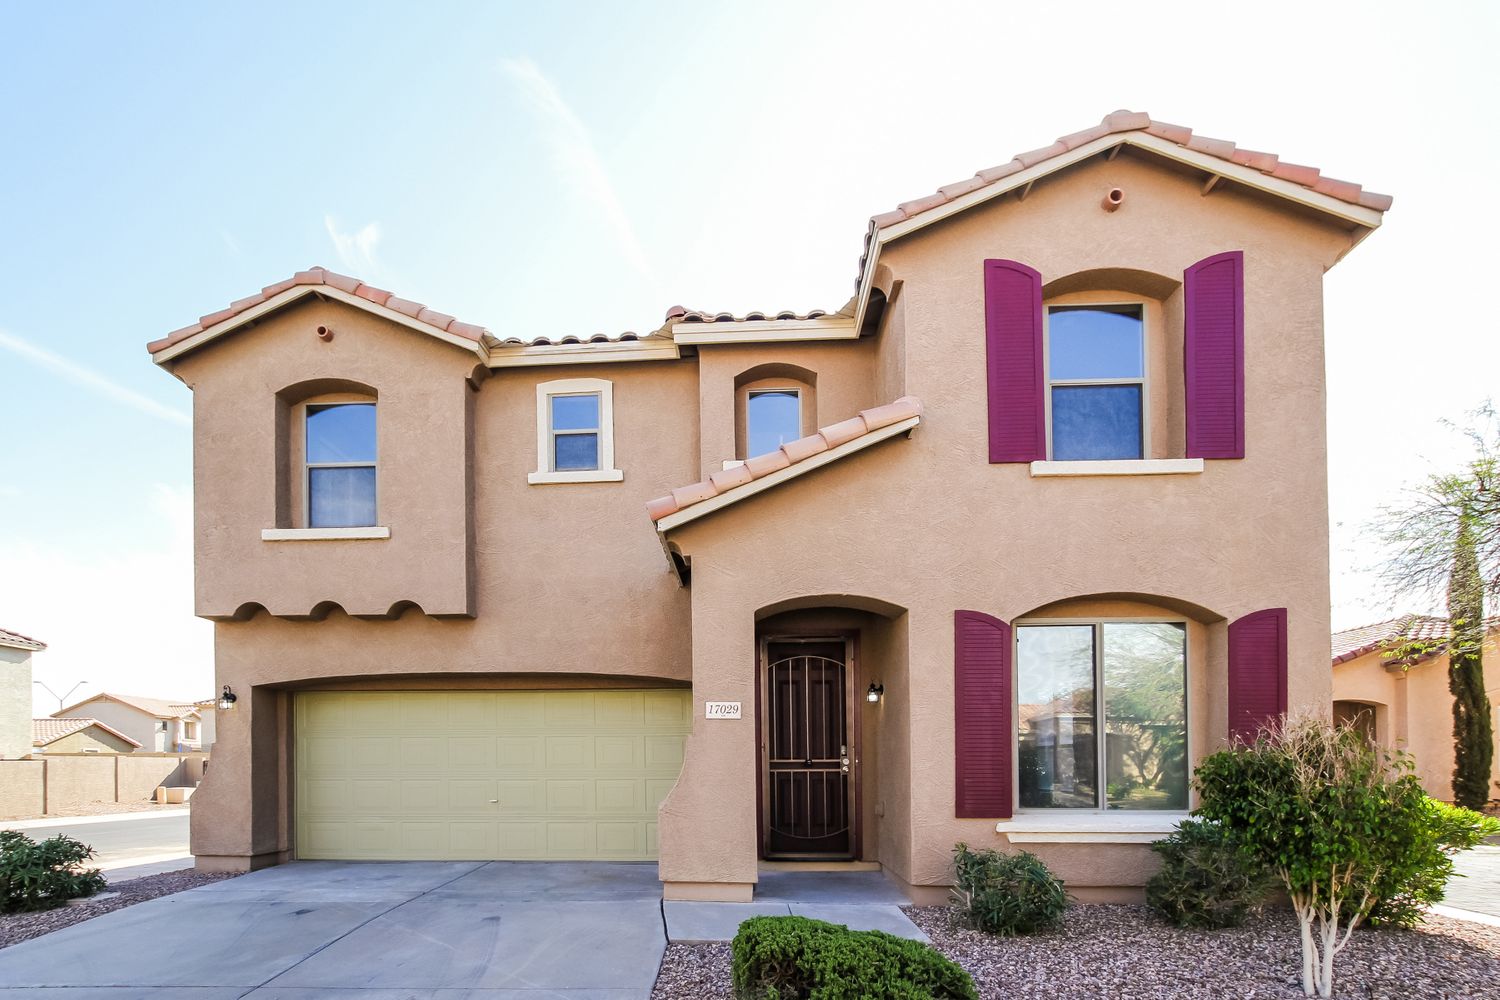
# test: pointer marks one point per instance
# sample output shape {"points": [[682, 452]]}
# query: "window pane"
{"points": [[1145, 715], [575, 452], [1095, 342], [1096, 422], [773, 417], [575, 413], [341, 497], [1058, 758], [342, 432]]}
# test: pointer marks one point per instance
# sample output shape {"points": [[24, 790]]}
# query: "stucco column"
{"points": [[707, 832], [236, 822]]}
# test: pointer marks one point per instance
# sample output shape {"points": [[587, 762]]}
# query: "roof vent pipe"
{"points": [[1113, 199]]}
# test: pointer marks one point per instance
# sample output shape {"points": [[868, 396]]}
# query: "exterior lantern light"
{"points": [[227, 700], [876, 692]]}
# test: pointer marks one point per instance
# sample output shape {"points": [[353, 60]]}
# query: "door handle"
{"points": [[844, 764]]}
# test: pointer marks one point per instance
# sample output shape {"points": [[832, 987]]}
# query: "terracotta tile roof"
{"points": [[323, 276], [442, 321], [1134, 121], [790, 454], [19, 641], [160, 708], [679, 314], [45, 731], [1356, 642]]}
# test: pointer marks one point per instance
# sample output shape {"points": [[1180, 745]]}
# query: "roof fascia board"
{"points": [[768, 331], [301, 291], [528, 355], [780, 476], [1367, 218]]}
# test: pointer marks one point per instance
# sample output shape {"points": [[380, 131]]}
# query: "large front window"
{"points": [[1096, 381], [341, 465], [1126, 680]]}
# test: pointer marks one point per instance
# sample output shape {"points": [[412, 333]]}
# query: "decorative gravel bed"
{"points": [[1128, 953], [18, 927]]}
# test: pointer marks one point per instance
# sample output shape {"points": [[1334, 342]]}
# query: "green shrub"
{"points": [[39, 876], [1206, 880], [1417, 879], [1006, 894], [794, 958]]}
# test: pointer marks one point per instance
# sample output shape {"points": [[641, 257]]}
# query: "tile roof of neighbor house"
{"points": [[791, 454], [18, 641], [45, 731], [160, 708], [1356, 642], [1120, 122]]}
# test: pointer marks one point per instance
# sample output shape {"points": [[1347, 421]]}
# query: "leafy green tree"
{"points": [[1343, 825], [1446, 536]]}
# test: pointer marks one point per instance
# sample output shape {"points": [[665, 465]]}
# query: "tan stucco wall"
{"points": [[564, 584], [1419, 708], [138, 725], [21, 788], [15, 703]]}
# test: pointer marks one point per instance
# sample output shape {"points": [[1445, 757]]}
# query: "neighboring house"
{"points": [[1404, 701], [1072, 444], [15, 693], [155, 724], [78, 736]]}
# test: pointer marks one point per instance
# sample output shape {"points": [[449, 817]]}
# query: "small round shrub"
{"points": [[1006, 894], [1206, 880], [795, 958], [39, 876]]}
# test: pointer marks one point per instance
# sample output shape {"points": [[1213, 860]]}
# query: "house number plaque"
{"points": [[721, 710]]}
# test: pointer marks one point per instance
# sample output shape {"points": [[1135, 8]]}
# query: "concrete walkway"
{"points": [[860, 900], [366, 931], [1479, 890]]}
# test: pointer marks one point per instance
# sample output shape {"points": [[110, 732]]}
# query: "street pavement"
{"points": [[122, 840]]}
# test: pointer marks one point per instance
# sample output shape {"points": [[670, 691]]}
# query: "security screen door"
{"points": [[808, 792]]}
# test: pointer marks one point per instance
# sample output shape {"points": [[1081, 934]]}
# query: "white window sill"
{"points": [[320, 534], [1065, 827], [1122, 467], [591, 476]]}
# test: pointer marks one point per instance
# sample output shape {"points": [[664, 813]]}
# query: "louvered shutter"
{"points": [[1257, 671], [1013, 352], [982, 715], [1214, 356]]}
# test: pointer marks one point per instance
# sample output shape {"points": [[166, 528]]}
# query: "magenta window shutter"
{"points": [[1013, 354], [1257, 671], [1214, 356], [982, 716]]}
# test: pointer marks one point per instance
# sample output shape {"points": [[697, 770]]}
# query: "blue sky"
{"points": [[578, 167]]}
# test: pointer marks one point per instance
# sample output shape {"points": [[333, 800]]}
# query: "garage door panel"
{"points": [[470, 775]]}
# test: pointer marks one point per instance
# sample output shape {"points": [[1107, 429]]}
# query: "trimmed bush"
{"points": [[1405, 889], [1206, 879], [1006, 894], [40, 876], [794, 958]]}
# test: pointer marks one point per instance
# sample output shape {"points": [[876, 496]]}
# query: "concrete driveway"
{"points": [[319, 930]]}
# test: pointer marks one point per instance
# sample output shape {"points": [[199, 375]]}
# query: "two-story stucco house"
{"points": [[155, 725], [1063, 531]]}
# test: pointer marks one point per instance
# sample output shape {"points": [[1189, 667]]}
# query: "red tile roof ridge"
{"points": [[319, 275], [1116, 123], [45, 731], [19, 641], [792, 453], [1352, 643]]}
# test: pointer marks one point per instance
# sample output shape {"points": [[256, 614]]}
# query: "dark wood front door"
{"points": [[807, 756]]}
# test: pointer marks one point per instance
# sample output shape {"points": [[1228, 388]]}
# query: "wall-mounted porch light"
{"points": [[876, 692], [227, 700]]}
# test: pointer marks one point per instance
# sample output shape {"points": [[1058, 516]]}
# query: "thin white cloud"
{"points": [[356, 250], [575, 154], [91, 380]]}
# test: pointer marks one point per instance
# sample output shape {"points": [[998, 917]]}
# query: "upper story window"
{"points": [[575, 432], [772, 418], [1124, 679], [340, 465], [190, 730], [1096, 382]]}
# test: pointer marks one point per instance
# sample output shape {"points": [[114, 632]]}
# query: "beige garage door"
{"points": [[481, 775]]}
